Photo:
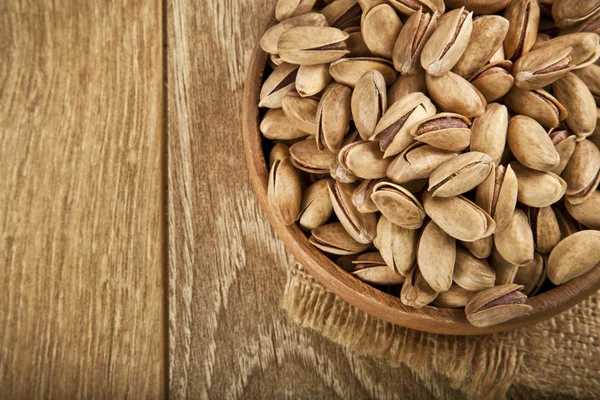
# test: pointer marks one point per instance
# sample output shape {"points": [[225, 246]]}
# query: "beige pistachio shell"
{"points": [[278, 152], [455, 297], [472, 273], [348, 71], [588, 212], [452, 93], [364, 159], [409, 7], [398, 246], [362, 227], [537, 104], [281, 81], [336, 170], [590, 75], [398, 205], [410, 42], [307, 157], [494, 80], [276, 125], [416, 292], [333, 117], [460, 174], [406, 84], [269, 40], [574, 256], [284, 192], [436, 256], [569, 12], [312, 79], [530, 144], [333, 238], [497, 195], [515, 241], [371, 268], [369, 102], [582, 173], [361, 198], [523, 16], [579, 103], [342, 13], [301, 112], [418, 161], [489, 131], [585, 47], [316, 208], [311, 45], [479, 6], [538, 188], [565, 144], [446, 131], [380, 26], [289, 8], [459, 217], [532, 275], [481, 248], [505, 271], [497, 305]]}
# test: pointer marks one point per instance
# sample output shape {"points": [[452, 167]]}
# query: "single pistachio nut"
{"points": [[275, 125], [410, 42], [409, 7], [369, 102], [300, 111], [364, 159], [455, 297], [590, 75], [494, 80], [472, 273], [481, 248], [348, 71], [506, 272], [582, 172], [567, 224], [278, 152], [446, 131], [371, 268], [336, 170], [436, 255], [515, 241], [592, 24], [489, 131], [342, 13], [307, 157], [398, 205], [316, 208], [311, 45], [532, 276], [416, 162], [333, 238], [290, 8], [585, 47], [356, 43], [545, 228], [453, 93], [537, 104], [564, 143], [588, 212], [530, 144], [284, 192], [524, 17], [569, 12], [459, 217], [538, 188], [361, 227], [497, 305], [281, 81], [333, 117], [479, 6], [416, 292], [398, 246], [380, 26], [269, 40], [497, 195], [312, 79], [579, 103], [406, 84], [574, 256], [460, 174]]}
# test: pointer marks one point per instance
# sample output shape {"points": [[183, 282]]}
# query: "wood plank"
{"points": [[81, 311]]}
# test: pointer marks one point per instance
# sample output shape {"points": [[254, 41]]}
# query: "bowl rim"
{"points": [[359, 294]]}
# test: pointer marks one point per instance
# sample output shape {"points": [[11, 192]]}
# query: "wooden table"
{"points": [[136, 262]]}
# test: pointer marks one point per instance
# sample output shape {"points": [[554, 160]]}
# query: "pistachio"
{"points": [[567, 13], [316, 208], [579, 103], [471, 273], [392, 131], [564, 143], [537, 104], [269, 40], [506, 272], [290, 8], [538, 188], [311, 45], [479, 6], [530, 144], [494, 80], [361, 227], [481, 248], [406, 84], [489, 131], [342, 13], [418, 161], [380, 26], [574, 256], [278, 152], [371, 268], [411, 40], [532, 276], [448, 42], [515, 241], [364, 159], [582, 172], [398, 246], [446, 131], [333, 238], [284, 192], [460, 174], [592, 24], [300, 111], [348, 71], [416, 292], [459, 217], [336, 170], [588, 212], [590, 76], [497, 305], [278, 84], [497, 195], [545, 228], [333, 117], [361, 197], [409, 7], [312, 79], [452, 93], [436, 256], [455, 297], [307, 157], [398, 205], [524, 16], [356, 43], [369, 102], [277, 126]]}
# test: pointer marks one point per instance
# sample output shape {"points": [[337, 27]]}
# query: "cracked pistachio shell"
{"points": [[312, 79], [333, 117], [369, 102], [290, 8], [406, 84], [364, 159], [479, 6], [371, 268], [284, 192], [588, 212], [275, 125], [418, 161], [311, 45], [545, 228], [278, 152], [472, 273], [436, 256], [489, 131], [460, 174], [362, 227], [380, 26], [590, 75], [448, 42], [591, 24], [307, 157], [505, 271], [537, 104], [348, 71], [446, 131], [497, 195], [494, 80], [569, 12], [574, 256], [532, 275], [316, 208], [565, 146], [411, 40], [515, 241], [342, 13], [356, 43], [497, 305], [582, 172], [301, 112], [416, 292], [398, 246], [361, 197], [487, 36], [481, 248], [538, 188], [398, 205], [269, 40], [524, 17], [455, 297], [281, 81], [453, 93], [579, 103], [530, 144], [409, 7], [333, 238], [459, 217]]}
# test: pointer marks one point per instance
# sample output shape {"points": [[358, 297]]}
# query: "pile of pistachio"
{"points": [[447, 147]]}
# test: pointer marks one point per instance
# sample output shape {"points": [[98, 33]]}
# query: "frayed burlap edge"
{"points": [[482, 367]]}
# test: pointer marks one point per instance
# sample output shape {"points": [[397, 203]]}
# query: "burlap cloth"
{"points": [[554, 358]]}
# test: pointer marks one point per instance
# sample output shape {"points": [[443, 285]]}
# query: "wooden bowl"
{"points": [[361, 295]]}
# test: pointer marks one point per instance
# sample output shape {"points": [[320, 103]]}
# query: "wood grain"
{"points": [[81, 311]]}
